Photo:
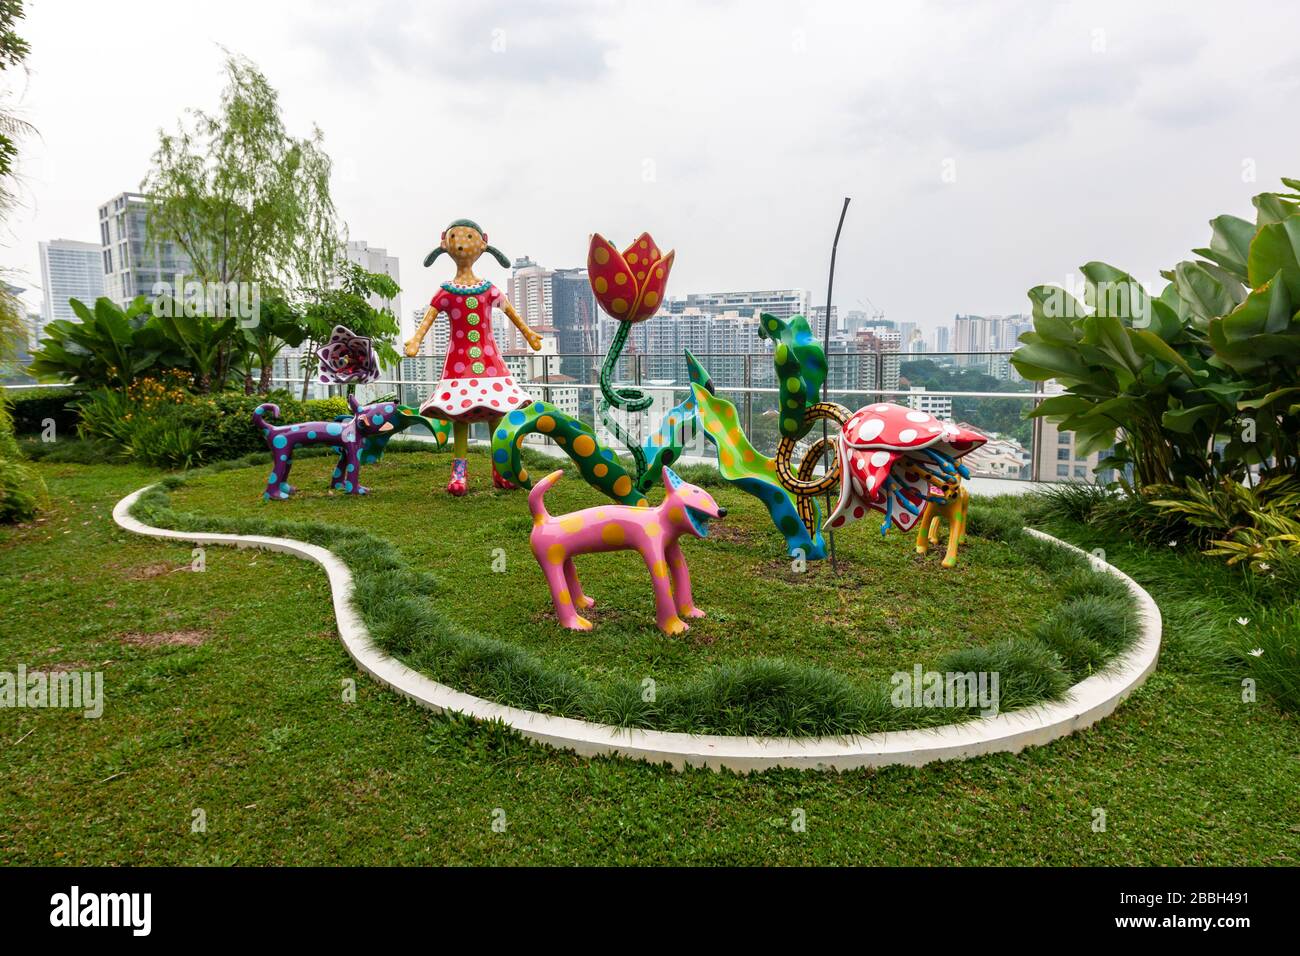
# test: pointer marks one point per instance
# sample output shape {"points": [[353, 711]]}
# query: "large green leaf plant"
{"points": [[1196, 384], [109, 347]]}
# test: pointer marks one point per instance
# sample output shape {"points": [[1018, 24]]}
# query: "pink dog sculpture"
{"points": [[652, 531]]}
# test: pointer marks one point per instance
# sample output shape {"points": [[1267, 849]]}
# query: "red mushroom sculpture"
{"points": [[894, 459]]}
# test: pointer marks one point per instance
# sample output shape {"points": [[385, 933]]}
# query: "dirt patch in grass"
{"points": [[65, 667], [186, 638], [146, 571], [724, 532]]}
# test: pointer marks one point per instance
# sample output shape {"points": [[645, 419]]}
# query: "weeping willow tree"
{"points": [[13, 50], [21, 489], [246, 202]]}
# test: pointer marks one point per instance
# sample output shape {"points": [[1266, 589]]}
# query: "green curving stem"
{"points": [[800, 364], [665, 446], [749, 469], [627, 399], [599, 466]]}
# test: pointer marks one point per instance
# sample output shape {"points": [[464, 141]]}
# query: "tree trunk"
{"points": [[264, 380], [306, 375]]}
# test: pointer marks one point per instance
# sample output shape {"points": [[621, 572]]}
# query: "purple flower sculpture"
{"points": [[347, 359]]}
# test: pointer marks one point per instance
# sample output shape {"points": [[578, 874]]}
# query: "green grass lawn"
{"points": [[224, 692], [882, 607], [790, 650]]}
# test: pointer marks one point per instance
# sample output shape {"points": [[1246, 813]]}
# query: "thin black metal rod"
{"points": [[826, 346]]}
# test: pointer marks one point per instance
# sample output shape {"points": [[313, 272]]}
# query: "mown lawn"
{"points": [[880, 610], [225, 693]]}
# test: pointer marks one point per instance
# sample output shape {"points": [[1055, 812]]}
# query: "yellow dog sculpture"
{"points": [[954, 507]]}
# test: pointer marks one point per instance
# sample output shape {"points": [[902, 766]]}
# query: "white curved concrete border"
{"points": [[1088, 701]]}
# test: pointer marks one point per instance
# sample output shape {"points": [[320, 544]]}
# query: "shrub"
{"points": [[170, 438], [1198, 382], [323, 409], [31, 408], [107, 346], [107, 414], [73, 451], [233, 431], [1258, 524], [157, 421], [1130, 515], [1067, 502], [22, 492]]}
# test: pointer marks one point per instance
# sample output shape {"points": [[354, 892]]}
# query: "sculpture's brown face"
{"points": [[464, 244]]}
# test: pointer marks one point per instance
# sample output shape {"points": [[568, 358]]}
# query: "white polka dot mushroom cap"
{"points": [[886, 438]]}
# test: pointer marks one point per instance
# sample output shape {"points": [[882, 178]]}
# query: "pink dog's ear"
{"points": [[671, 481]]}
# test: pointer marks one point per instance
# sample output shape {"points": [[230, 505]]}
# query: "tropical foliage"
{"points": [[160, 422], [1197, 390], [1199, 382], [108, 347], [21, 490]]}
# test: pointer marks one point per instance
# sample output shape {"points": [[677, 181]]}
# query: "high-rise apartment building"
{"points": [[69, 270], [817, 319], [574, 318], [373, 259], [131, 263], [941, 339], [988, 333], [878, 358], [529, 291], [782, 303], [1057, 453], [435, 343]]}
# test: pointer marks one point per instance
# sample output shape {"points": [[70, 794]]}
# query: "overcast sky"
{"points": [[987, 147]]}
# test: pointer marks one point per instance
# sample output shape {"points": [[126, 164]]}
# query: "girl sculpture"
{"points": [[475, 386]]}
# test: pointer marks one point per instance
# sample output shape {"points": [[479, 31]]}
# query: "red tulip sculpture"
{"points": [[629, 286]]}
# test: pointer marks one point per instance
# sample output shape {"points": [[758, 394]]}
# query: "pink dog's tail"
{"points": [[536, 502]]}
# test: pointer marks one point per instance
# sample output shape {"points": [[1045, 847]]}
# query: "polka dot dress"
{"points": [[475, 383]]}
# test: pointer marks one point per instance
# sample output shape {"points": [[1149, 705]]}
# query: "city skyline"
{"points": [[574, 321]]}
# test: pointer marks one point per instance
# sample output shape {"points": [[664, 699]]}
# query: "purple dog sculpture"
{"points": [[347, 435]]}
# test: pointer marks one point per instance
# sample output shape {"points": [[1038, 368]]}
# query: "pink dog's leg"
{"points": [[563, 600], [580, 600], [681, 581], [665, 607]]}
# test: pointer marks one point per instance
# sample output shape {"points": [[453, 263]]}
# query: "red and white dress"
{"points": [[475, 384]]}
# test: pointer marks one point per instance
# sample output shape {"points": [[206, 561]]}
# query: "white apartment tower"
{"points": [[131, 263], [373, 259], [69, 270]]}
